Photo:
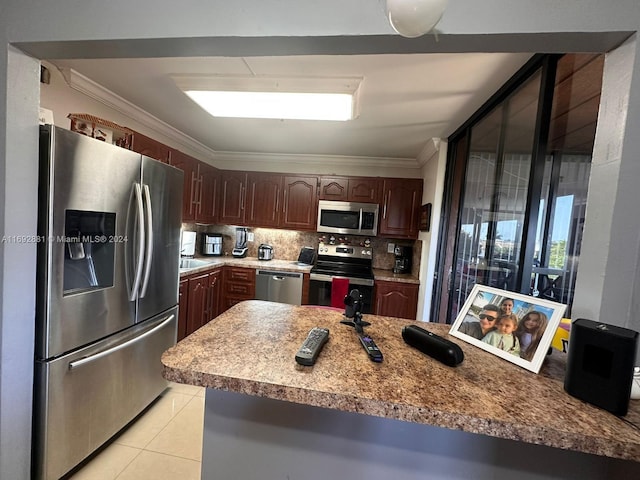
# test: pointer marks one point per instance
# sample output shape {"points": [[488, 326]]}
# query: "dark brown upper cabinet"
{"points": [[189, 167], [148, 146], [263, 200], [232, 197], [300, 202], [350, 189], [400, 207], [199, 196]]}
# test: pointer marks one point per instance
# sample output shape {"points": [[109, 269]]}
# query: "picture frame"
{"points": [[425, 217], [537, 318]]}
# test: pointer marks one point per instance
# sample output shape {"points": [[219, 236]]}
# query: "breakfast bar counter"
{"points": [[406, 414]]}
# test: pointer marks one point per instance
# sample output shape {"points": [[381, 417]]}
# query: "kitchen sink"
{"points": [[192, 263]]}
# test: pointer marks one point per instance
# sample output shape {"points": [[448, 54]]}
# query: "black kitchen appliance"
{"points": [[307, 256], [350, 262], [211, 244], [265, 252], [404, 257], [240, 249]]}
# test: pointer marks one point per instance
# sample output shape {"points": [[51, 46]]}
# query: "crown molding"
{"points": [[325, 162], [431, 149], [94, 90]]}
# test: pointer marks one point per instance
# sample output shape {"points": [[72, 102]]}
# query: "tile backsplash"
{"points": [[287, 243]]}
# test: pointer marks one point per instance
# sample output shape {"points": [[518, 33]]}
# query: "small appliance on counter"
{"points": [[404, 257], [188, 244], [265, 252], [307, 256], [240, 250], [211, 244]]}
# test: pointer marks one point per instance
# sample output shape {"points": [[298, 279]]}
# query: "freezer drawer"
{"points": [[84, 398]]}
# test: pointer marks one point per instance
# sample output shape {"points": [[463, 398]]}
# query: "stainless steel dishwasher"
{"points": [[283, 287]]}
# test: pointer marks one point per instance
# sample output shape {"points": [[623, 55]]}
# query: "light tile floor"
{"points": [[165, 443]]}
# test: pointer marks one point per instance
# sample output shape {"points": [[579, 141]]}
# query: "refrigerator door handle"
{"points": [[149, 239], [133, 294], [92, 358]]}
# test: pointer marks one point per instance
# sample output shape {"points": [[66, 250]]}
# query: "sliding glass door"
{"points": [[517, 186]]}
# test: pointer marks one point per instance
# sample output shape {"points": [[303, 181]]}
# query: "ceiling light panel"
{"points": [[302, 98]]}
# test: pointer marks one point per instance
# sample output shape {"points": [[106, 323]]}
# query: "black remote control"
{"points": [[370, 347], [311, 347]]}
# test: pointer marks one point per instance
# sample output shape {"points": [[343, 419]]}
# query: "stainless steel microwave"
{"points": [[348, 218]]}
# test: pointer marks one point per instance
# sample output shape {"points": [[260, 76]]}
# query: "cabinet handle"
{"points": [[284, 205], [384, 209], [242, 197], [194, 187]]}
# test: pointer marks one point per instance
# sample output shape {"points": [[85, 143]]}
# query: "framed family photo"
{"points": [[516, 327]]}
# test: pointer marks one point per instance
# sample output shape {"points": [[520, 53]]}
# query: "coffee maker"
{"points": [[240, 249], [404, 257], [211, 244]]}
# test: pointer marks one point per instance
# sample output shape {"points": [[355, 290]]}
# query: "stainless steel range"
{"points": [[350, 262]]}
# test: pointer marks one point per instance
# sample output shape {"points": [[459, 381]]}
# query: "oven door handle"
{"points": [[352, 281]]}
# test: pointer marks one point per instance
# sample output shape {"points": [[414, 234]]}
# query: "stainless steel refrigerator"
{"points": [[108, 257]]}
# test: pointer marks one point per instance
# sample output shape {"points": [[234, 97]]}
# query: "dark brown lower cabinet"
{"points": [[393, 299], [199, 301], [239, 285], [183, 302]]}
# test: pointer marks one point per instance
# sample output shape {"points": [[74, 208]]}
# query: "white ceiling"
{"points": [[405, 99]]}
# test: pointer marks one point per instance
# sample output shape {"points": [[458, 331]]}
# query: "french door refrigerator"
{"points": [[108, 258]]}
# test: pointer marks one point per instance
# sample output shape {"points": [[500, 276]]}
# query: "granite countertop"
{"points": [[389, 276], [250, 349], [284, 266], [247, 262]]}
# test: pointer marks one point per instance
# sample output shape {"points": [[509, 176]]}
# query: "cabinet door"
{"points": [[209, 178], [190, 192], [149, 147], [300, 203], [198, 289], [334, 188], [232, 197], [401, 207], [213, 306], [396, 299], [363, 189], [263, 199], [183, 302]]}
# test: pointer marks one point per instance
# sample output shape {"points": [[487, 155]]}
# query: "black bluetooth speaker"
{"points": [[600, 364], [433, 345]]}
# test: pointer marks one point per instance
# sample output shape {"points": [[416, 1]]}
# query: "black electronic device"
{"points": [[211, 244], [370, 347], [433, 345], [353, 311], [600, 364], [307, 256], [353, 305], [403, 259], [312, 345]]}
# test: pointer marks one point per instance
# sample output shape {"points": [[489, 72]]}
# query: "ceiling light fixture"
{"points": [[413, 18], [299, 98]]}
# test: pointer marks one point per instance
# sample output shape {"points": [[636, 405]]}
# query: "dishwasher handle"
{"points": [[279, 275]]}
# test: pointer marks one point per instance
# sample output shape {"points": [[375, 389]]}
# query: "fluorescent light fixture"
{"points": [[299, 98], [281, 105]]}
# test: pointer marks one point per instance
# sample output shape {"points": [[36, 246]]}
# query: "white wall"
{"points": [[162, 27], [433, 173]]}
